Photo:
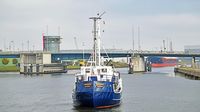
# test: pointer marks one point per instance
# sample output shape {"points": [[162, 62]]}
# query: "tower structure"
{"points": [[51, 43]]}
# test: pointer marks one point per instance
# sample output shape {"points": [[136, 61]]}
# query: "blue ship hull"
{"points": [[98, 94]]}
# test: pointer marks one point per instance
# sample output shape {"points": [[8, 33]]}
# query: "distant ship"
{"points": [[97, 85], [157, 61]]}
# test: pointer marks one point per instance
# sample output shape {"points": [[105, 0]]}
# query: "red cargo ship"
{"points": [[162, 61]]}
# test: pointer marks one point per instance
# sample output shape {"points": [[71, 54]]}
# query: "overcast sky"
{"points": [[26, 20]]}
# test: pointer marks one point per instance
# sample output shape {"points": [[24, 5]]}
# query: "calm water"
{"points": [[159, 91]]}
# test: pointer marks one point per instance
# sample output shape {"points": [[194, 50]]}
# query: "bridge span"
{"points": [[112, 53], [166, 54]]}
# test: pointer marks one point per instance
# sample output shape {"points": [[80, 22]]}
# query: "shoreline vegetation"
{"points": [[115, 64], [9, 69]]}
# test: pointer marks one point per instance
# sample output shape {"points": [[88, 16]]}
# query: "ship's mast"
{"points": [[96, 56]]}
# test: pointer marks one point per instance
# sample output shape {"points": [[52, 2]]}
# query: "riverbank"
{"points": [[68, 67], [115, 64], [188, 72], [9, 69]]}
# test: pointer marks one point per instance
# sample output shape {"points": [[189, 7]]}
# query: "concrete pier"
{"points": [[39, 63], [137, 64], [191, 73]]}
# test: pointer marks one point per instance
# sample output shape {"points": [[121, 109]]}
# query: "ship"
{"points": [[157, 61], [97, 85]]}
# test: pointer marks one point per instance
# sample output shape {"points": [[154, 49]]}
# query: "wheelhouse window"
{"points": [[87, 70], [104, 70]]}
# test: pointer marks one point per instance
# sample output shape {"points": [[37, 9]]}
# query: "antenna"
{"points": [[47, 28], [139, 47], [164, 48], [167, 48], [58, 30], [171, 46], [133, 38], [33, 47], [13, 45], [4, 42], [96, 57], [22, 46], [43, 41], [9, 46], [101, 14], [75, 41], [28, 45]]}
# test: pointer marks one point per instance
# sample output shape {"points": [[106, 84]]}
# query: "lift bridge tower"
{"points": [[51, 43]]}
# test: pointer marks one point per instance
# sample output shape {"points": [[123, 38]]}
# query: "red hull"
{"points": [[163, 65]]}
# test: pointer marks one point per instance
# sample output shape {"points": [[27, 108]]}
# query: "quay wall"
{"points": [[188, 72]]}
